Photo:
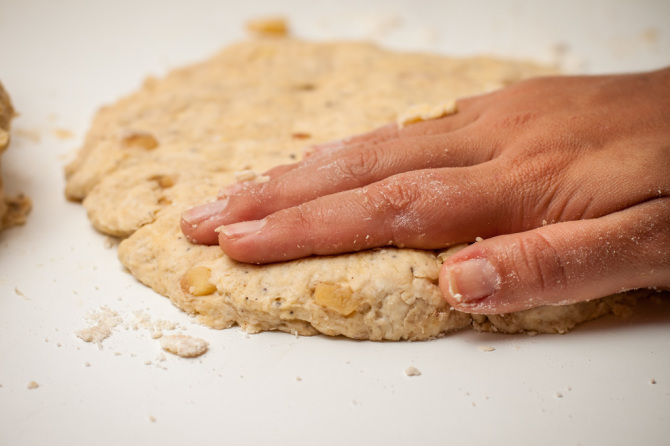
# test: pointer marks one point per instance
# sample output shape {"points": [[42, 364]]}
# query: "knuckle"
{"points": [[303, 219], [395, 196], [538, 189], [313, 217], [244, 201], [650, 236], [396, 201], [359, 165], [541, 260]]}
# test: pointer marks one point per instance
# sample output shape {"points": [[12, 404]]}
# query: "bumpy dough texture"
{"points": [[13, 210], [6, 114], [177, 140]]}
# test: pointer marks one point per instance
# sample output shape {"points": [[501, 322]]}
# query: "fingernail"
{"points": [[198, 214], [241, 229], [472, 280]]}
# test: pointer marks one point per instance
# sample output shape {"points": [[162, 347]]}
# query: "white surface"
{"points": [[62, 59]]}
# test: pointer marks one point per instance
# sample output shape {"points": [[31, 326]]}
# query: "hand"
{"points": [[566, 179]]}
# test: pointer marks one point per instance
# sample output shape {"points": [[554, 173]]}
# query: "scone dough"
{"points": [[13, 210], [176, 141]]}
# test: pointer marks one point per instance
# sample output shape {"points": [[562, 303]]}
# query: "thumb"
{"points": [[562, 263]]}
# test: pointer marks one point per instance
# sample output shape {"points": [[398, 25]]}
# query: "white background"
{"points": [[62, 59]]}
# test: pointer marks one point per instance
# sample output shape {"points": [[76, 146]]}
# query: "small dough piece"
{"points": [[226, 115], [425, 112], [412, 371], [249, 175], [13, 210], [184, 345], [268, 27]]}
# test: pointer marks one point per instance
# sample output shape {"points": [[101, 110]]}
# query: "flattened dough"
{"points": [[175, 142]]}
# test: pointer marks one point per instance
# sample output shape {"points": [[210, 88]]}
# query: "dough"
{"points": [[184, 345], [13, 210], [176, 141]]}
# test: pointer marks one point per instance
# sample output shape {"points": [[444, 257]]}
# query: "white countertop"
{"points": [[607, 382]]}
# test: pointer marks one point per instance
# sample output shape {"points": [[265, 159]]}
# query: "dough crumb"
{"points": [[297, 378], [143, 320], [486, 348], [248, 175], [184, 345], [412, 371], [268, 27], [105, 320], [63, 133], [32, 385], [425, 112], [152, 418], [16, 211], [32, 135], [652, 381]]}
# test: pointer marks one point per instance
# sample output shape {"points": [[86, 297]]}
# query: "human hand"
{"points": [[566, 179]]}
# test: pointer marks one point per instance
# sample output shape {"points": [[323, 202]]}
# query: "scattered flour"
{"points": [[144, 321], [158, 361], [105, 320]]}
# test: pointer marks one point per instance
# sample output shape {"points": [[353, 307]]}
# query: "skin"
{"points": [[566, 180]]}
